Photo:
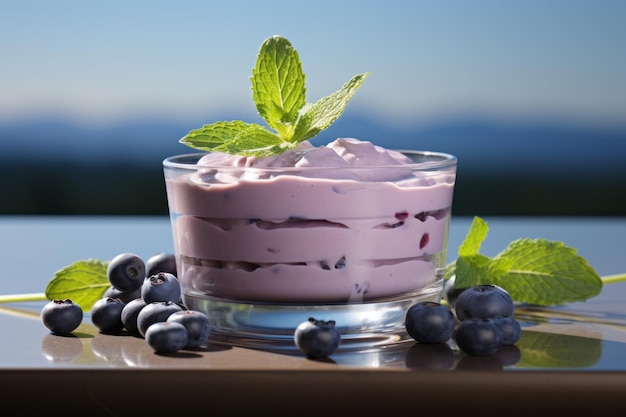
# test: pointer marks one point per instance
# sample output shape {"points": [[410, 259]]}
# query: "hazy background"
{"points": [[530, 95]]}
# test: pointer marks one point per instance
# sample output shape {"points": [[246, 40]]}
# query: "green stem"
{"points": [[18, 298], [609, 279]]}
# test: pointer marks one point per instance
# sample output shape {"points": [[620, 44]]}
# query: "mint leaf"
{"points": [[255, 143], [534, 271], [469, 247], [84, 282], [316, 117], [477, 233], [278, 85], [472, 270], [232, 137], [279, 94], [545, 272]]}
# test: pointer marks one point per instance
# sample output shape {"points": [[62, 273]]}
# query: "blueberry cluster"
{"points": [[144, 299], [480, 321]]}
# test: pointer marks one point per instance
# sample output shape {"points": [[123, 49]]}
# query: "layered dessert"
{"points": [[348, 222], [270, 230]]}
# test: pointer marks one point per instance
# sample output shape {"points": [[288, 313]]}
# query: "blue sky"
{"points": [[105, 61]]}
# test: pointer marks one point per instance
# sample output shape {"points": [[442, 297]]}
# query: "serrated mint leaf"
{"points": [[316, 117], [84, 282], [235, 137], [472, 270], [542, 272], [213, 135], [278, 85], [533, 271], [255, 143], [474, 239]]}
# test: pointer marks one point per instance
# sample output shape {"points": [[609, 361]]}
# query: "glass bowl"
{"points": [[261, 250]]}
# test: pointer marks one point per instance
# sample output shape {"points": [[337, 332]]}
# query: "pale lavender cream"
{"points": [[345, 222]]}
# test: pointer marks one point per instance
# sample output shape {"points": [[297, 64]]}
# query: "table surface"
{"points": [[568, 355]]}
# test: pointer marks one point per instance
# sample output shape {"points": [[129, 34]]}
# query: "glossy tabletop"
{"points": [[568, 357]]}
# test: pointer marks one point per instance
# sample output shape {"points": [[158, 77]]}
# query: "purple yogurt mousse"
{"points": [[348, 222]]}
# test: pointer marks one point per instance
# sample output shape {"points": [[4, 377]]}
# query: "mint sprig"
{"points": [[533, 271], [279, 93]]}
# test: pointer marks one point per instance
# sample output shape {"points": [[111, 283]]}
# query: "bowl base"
{"points": [[271, 326]]}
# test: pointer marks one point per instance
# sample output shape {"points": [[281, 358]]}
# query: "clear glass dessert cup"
{"points": [[261, 250]]}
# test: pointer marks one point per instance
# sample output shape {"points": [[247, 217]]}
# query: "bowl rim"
{"points": [[434, 160]]}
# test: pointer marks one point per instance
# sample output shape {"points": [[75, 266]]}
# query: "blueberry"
{"points": [[61, 316], [483, 301], [341, 263], [125, 296], [478, 337], [162, 286], [155, 312], [161, 262], [166, 337], [126, 272], [129, 315], [106, 315], [510, 328], [424, 240], [317, 338], [197, 325], [430, 322]]}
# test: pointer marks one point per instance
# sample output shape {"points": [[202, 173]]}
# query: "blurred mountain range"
{"points": [[52, 166]]}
